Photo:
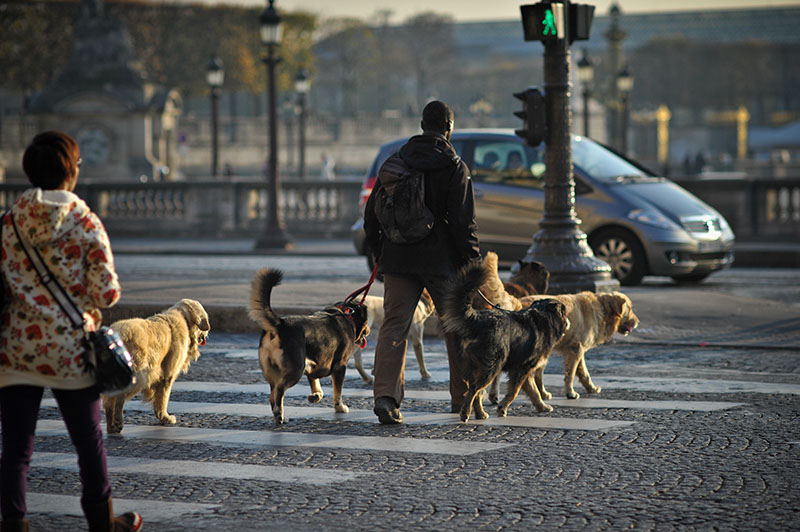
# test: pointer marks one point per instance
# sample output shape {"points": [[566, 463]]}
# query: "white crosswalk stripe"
{"points": [[155, 512], [203, 469], [266, 438], [441, 395], [410, 418]]}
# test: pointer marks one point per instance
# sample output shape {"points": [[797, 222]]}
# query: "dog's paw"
{"points": [[315, 397], [425, 374], [481, 415], [572, 394], [545, 394], [279, 419], [168, 419], [493, 399], [593, 389], [465, 415], [544, 408], [341, 408], [113, 428], [502, 412]]}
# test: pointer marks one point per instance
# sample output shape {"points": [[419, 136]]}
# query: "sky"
{"points": [[472, 10]]}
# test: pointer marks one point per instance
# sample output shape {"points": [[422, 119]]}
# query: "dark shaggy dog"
{"points": [[492, 341], [532, 278], [317, 345]]}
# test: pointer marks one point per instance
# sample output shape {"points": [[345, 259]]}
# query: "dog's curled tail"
{"points": [[260, 290], [458, 299]]}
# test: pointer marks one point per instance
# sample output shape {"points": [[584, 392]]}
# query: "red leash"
{"points": [[364, 288]]}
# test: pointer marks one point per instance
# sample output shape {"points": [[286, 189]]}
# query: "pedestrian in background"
{"points": [[410, 268], [39, 346], [328, 168]]}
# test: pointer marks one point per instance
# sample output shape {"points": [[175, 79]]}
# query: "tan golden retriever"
{"points": [[594, 318], [162, 347], [424, 309]]}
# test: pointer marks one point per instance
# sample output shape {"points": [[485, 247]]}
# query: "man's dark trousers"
{"points": [[400, 296]]}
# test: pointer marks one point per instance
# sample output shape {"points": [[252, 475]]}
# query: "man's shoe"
{"points": [[388, 411]]}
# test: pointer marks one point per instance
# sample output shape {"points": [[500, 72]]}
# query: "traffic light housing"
{"points": [[534, 125], [552, 20]]}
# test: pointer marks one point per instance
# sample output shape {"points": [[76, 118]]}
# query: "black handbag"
{"points": [[111, 362], [113, 369]]}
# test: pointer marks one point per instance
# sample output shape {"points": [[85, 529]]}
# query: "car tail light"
{"points": [[366, 190]]}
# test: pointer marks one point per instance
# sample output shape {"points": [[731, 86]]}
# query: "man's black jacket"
{"points": [[448, 194]]}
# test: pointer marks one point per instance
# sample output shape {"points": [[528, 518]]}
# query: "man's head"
{"points": [[437, 117], [52, 160]]}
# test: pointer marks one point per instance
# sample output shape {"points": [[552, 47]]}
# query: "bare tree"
{"points": [[347, 55], [430, 45]]}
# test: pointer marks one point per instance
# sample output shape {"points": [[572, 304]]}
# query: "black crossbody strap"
{"points": [[49, 281]]}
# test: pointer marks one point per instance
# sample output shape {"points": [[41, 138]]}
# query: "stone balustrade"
{"points": [[755, 208], [214, 208]]}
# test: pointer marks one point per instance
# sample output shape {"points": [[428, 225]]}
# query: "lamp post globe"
{"points": [[271, 25], [215, 76], [274, 236], [586, 77], [301, 86], [215, 73]]}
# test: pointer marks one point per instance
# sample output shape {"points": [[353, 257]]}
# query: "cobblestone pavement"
{"points": [[674, 469], [699, 431]]}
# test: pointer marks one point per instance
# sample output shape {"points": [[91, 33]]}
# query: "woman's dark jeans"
{"points": [[19, 410]]}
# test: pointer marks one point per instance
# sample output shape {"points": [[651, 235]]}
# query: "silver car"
{"points": [[640, 224]]}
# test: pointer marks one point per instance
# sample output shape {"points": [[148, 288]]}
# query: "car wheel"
{"points": [[690, 277], [623, 252]]}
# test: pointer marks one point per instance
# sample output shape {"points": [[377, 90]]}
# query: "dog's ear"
{"points": [[194, 313], [613, 304]]}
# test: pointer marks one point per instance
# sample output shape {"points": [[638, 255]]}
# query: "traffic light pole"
{"points": [[560, 245]]}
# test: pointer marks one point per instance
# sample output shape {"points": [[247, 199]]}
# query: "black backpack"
{"points": [[400, 202]]}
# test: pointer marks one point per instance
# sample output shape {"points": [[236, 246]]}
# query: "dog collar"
{"points": [[348, 312]]}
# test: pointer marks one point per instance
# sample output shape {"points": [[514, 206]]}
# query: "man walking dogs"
{"points": [[413, 259]]}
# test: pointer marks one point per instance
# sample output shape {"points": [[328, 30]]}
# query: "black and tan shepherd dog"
{"points": [[492, 341], [317, 345]]}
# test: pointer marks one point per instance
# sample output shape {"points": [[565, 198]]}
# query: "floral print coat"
{"points": [[38, 343]]}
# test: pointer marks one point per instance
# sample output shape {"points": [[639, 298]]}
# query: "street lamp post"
{"points": [[560, 244], [586, 77], [614, 35], [215, 75], [275, 236], [301, 86], [624, 88]]}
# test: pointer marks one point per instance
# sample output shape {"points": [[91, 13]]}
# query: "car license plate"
{"points": [[706, 247]]}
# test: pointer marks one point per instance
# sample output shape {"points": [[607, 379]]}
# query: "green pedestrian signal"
{"points": [[553, 20], [549, 23]]}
